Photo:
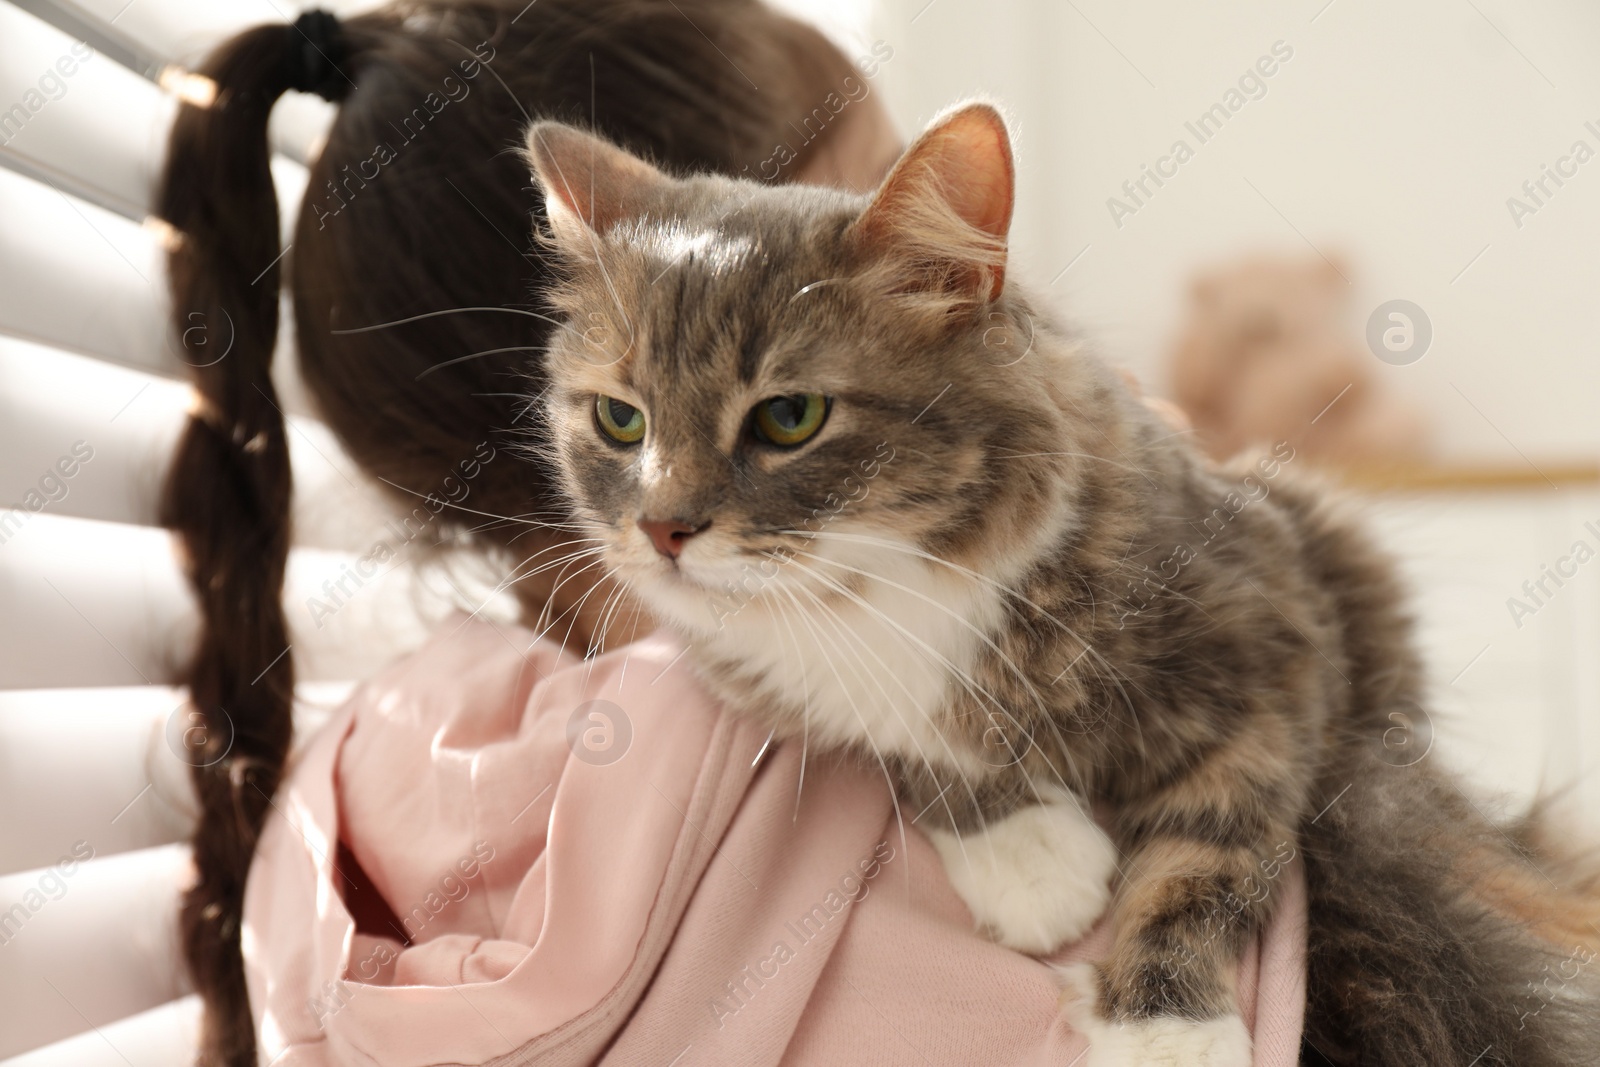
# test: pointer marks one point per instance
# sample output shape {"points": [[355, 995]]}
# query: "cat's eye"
{"points": [[621, 422], [787, 421]]}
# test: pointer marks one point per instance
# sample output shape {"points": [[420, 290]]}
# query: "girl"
{"points": [[416, 204]]}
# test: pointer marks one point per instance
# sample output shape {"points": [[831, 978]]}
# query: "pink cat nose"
{"points": [[669, 535]]}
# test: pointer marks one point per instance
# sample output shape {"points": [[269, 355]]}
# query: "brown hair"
{"points": [[418, 209]]}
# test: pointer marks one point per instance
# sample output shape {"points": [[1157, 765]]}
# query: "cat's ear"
{"points": [[948, 202], [589, 184]]}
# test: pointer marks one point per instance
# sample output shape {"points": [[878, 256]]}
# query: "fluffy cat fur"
{"points": [[970, 577]]}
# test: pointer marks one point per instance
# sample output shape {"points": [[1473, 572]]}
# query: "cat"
{"points": [[894, 509]]}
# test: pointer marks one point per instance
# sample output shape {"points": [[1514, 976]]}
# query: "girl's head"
{"points": [[417, 220]]}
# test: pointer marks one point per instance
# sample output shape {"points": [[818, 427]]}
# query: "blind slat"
{"points": [[98, 129], [159, 1037], [110, 766], [92, 438], [182, 34], [79, 277], [74, 112], [104, 604], [90, 603], [119, 912], [54, 403]]}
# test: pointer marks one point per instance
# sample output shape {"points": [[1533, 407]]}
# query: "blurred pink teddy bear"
{"points": [[1265, 351]]}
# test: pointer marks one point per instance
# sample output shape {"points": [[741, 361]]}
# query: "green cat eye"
{"points": [[787, 421], [621, 422]]}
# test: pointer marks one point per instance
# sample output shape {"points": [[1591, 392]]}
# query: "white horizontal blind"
{"points": [[52, 741], [182, 32], [160, 1037], [54, 403], [98, 618], [77, 118], [89, 941]]}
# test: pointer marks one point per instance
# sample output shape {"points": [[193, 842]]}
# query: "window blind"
{"points": [[93, 790]]}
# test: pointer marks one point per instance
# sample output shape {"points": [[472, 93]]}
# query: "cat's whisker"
{"points": [[593, 644], [529, 532], [519, 575], [1016, 671], [512, 576], [1095, 425], [476, 355], [1074, 455], [987, 703], [1187, 431], [860, 645], [597, 638], [456, 311], [898, 630], [804, 289], [501, 523], [575, 610], [458, 507], [568, 542], [1111, 671], [615, 611], [1049, 720], [866, 732], [889, 701], [980, 695], [508, 582], [541, 392], [515, 578], [983, 697], [805, 707], [639, 616], [624, 590], [611, 291], [927, 764], [563, 561]]}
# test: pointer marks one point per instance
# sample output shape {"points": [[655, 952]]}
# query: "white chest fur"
{"points": [[875, 659]]}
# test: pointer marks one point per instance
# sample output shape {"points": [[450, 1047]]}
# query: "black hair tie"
{"points": [[316, 49]]}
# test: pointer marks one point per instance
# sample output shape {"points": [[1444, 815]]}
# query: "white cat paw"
{"points": [[1036, 879], [1169, 1042]]}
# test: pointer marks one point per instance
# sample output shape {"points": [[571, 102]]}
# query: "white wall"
{"points": [[1395, 134]]}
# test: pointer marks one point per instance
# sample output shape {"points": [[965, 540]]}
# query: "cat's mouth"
{"points": [[677, 574], [703, 570]]}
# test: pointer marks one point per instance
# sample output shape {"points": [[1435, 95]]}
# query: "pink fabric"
{"points": [[676, 906]]}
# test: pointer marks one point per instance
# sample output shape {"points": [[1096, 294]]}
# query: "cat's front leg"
{"points": [[1155, 1041], [1036, 878], [1203, 857]]}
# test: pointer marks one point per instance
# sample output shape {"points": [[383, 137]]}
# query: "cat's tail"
{"points": [[1559, 897], [1438, 936]]}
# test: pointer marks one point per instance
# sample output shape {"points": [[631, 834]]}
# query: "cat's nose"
{"points": [[669, 535]]}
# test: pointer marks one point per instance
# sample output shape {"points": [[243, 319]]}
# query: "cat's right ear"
{"points": [[590, 185], [945, 209]]}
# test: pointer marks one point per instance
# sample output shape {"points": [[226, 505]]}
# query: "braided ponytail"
{"points": [[227, 492]]}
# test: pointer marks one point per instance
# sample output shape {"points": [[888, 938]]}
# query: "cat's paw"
{"points": [[1036, 879], [1162, 1042]]}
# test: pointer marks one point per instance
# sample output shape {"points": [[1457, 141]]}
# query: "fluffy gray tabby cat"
{"points": [[895, 509]]}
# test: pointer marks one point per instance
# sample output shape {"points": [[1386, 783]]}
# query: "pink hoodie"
{"points": [[634, 881]]}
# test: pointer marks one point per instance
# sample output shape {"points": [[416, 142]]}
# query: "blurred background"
{"points": [[1363, 228]]}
